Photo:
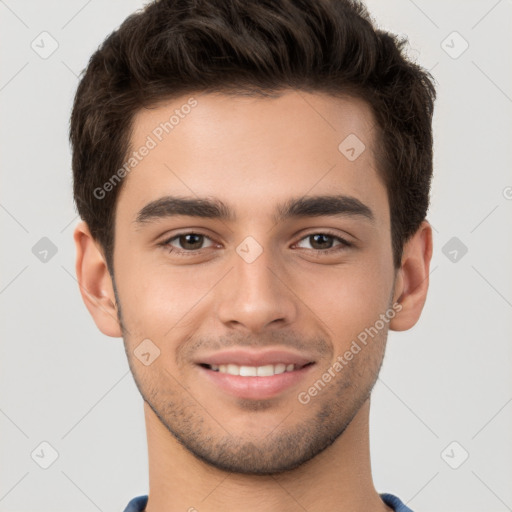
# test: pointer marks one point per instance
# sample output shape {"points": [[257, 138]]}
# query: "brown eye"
{"points": [[321, 241], [186, 242], [191, 241], [324, 242]]}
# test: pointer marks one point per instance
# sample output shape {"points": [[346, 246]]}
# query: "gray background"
{"points": [[445, 389]]}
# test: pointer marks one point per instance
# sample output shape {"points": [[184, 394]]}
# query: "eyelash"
{"points": [[170, 249]]}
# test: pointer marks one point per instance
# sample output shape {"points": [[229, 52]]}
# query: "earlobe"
{"points": [[95, 282], [412, 278]]}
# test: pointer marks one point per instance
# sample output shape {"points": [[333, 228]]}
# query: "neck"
{"points": [[338, 479]]}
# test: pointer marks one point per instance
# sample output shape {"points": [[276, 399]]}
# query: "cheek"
{"points": [[157, 300], [350, 298]]}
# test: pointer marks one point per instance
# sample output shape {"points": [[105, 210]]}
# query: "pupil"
{"points": [[326, 239], [186, 244]]}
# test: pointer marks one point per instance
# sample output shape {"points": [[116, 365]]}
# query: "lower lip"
{"points": [[256, 388]]}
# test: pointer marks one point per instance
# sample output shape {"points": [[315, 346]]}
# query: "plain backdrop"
{"points": [[442, 409]]}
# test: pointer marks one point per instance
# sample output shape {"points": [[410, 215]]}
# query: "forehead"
{"points": [[252, 151]]}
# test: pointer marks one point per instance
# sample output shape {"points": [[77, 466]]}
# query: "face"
{"points": [[278, 259]]}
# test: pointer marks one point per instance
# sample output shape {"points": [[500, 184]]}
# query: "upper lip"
{"points": [[255, 358]]}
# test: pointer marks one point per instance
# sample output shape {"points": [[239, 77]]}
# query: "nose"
{"points": [[256, 295]]}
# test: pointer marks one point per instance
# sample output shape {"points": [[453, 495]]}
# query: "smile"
{"points": [[256, 382], [255, 371]]}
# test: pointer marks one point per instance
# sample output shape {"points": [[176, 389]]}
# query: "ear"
{"points": [[412, 278], [95, 282]]}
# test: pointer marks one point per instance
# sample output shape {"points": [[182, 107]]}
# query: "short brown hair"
{"points": [[174, 47]]}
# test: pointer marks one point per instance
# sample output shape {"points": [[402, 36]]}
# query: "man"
{"points": [[253, 180]]}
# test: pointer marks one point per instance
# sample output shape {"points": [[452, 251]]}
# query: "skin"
{"points": [[253, 153]]}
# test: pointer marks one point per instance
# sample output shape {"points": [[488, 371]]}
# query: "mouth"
{"points": [[261, 382], [267, 370]]}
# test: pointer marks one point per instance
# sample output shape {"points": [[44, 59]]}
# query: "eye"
{"points": [[186, 242], [324, 242], [190, 243]]}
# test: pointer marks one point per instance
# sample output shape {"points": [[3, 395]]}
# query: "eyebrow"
{"points": [[306, 206]]}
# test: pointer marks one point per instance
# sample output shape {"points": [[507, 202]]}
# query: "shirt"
{"points": [[138, 504]]}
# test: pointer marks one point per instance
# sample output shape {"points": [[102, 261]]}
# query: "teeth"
{"points": [[279, 368], [245, 371], [253, 371], [264, 371]]}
